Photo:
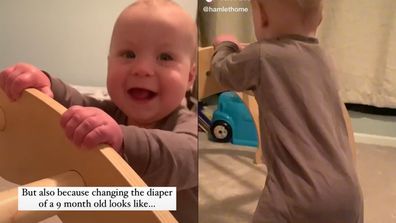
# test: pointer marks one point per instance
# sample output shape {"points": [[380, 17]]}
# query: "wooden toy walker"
{"points": [[34, 151], [208, 86]]}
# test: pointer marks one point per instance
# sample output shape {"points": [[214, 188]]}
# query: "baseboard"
{"points": [[375, 139]]}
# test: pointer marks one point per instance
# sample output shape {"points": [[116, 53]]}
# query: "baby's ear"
{"points": [[263, 15], [191, 75]]}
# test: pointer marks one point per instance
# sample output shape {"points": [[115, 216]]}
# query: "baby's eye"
{"points": [[165, 57], [129, 55]]}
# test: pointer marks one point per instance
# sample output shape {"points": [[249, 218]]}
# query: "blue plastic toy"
{"points": [[232, 122]]}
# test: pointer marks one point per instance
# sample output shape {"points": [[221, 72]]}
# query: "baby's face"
{"points": [[150, 65]]}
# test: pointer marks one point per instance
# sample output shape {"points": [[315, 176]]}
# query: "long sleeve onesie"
{"points": [[164, 156], [311, 175]]}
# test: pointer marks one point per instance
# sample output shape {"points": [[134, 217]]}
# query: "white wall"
{"points": [[69, 39]]}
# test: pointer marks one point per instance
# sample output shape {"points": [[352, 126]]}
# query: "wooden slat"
{"points": [[9, 199], [207, 84], [251, 103], [33, 146]]}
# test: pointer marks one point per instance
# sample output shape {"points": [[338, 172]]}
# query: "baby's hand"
{"points": [[222, 38], [15, 79], [89, 127]]}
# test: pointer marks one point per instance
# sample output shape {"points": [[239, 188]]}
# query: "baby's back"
{"points": [[311, 174]]}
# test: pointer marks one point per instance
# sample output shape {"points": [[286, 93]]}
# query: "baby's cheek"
{"points": [[115, 82], [176, 97], [114, 79]]}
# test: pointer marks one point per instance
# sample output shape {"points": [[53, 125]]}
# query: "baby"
{"points": [[311, 174], [151, 65]]}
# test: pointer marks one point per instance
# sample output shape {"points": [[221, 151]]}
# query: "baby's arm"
{"points": [[165, 157], [89, 126], [68, 96], [161, 157], [88, 121], [16, 78], [235, 69], [226, 38], [85, 127]]}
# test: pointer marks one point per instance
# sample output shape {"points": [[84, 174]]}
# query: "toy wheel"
{"points": [[221, 131]]}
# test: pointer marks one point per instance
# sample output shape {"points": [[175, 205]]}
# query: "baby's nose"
{"points": [[143, 69]]}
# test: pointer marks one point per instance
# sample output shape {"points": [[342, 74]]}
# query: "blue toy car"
{"points": [[232, 121]]}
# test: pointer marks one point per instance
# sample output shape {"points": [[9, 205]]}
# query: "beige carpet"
{"points": [[230, 184]]}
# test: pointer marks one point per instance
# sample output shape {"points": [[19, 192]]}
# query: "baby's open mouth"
{"points": [[141, 94]]}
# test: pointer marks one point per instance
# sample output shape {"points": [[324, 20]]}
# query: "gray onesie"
{"points": [[164, 156], [311, 175]]}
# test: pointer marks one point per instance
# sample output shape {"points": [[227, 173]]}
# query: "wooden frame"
{"points": [[209, 86], [34, 147]]}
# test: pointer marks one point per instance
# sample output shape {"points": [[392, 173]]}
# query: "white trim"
{"points": [[375, 139]]}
